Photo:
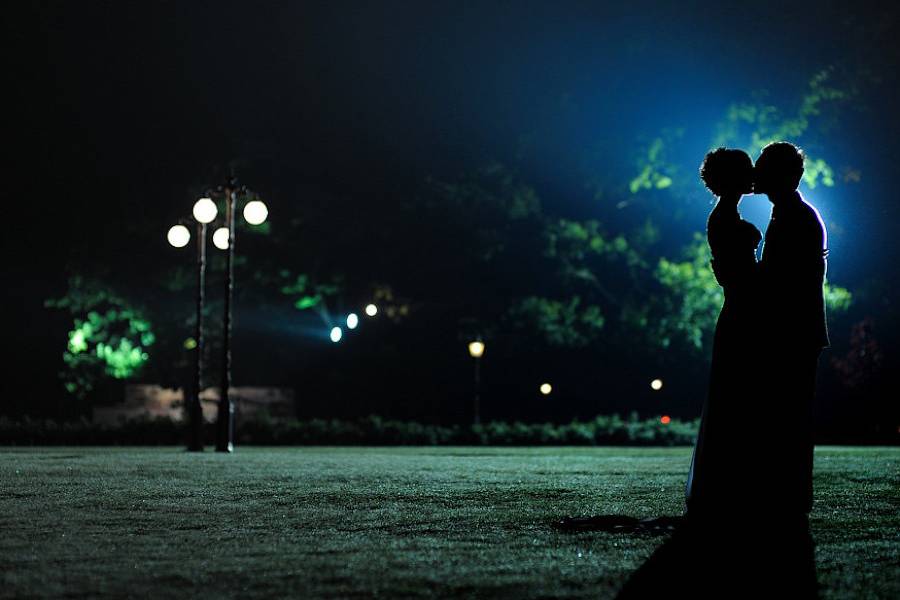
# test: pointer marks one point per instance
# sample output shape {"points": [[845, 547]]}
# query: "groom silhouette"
{"points": [[792, 274]]}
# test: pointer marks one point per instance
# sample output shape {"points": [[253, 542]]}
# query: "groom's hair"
{"points": [[783, 165], [723, 167]]}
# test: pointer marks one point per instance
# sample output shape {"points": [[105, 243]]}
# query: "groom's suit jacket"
{"points": [[793, 273]]}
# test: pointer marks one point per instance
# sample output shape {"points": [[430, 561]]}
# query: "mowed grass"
{"points": [[388, 522]]}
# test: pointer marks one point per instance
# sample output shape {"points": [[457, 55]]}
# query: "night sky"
{"points": [[120, 110]]}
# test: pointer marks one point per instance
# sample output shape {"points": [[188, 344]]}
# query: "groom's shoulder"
{"points": [[806, 211], [810, 217]]}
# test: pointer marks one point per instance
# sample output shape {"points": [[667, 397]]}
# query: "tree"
{"points": [[109, 338]]}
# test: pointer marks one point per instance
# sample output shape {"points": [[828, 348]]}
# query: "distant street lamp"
{"points": [[220, 238], [179, 236], [476, 350], [205, 210], [255, 213]]}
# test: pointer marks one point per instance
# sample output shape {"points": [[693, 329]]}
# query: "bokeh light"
{"points": [[665, 419], [220, 238], [656, 384], [336, 334], [179, 236], [476, 349], [546, 388], [371, 310], [205, 210], [256, 212], [352, 321]]}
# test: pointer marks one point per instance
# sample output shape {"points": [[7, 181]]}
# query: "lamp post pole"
{"points": [[476, 350], [179, 236], [195, 408], [225, 420], [477, 407]]}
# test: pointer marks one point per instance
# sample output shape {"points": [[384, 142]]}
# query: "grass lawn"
{"points": [[389, 522]]}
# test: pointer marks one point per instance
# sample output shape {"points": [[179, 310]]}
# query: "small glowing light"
{"points": [[546, 388], [656, 384], [665, 419], [190, 343], [371, 310], [336, 334], [179, 236], [352, 321], [205, 210], [220, 238], [476, 349], [256, 212]]}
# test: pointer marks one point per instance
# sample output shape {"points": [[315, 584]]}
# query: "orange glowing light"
{"points": [[665, 419]]}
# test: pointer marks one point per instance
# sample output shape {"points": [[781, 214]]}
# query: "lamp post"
{"points": [[179, 236], [255, 213], [476, 350]]}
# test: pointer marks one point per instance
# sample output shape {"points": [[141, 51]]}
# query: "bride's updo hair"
{"points": [[725, 170]]}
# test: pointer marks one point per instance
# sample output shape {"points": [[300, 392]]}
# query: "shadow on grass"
{"points": [[723, 558]]}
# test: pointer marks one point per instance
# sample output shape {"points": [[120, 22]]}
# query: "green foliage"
{"points": [[370, 431], [304, 292], [492, 191], [489, 207], [560, 323], [694, 297], [109, 337], [656, 170], [594, 282], [837, 299], [574, 242], [752, 125]]}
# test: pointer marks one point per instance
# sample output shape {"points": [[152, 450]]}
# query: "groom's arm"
{"points": [[810, 252]]}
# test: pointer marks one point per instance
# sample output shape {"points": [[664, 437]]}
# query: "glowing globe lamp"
{"points": [[205, 210], [476, 349], [178, 236], [546, 388], [256, 212], [220, 238]]}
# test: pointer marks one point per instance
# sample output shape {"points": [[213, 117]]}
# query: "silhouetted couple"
{"points": [[749, 489], [754, 452]]}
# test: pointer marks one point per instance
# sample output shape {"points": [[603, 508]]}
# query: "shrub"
{"points": [[372, 431]]}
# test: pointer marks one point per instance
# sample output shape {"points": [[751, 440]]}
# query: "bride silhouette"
{"points": [[720, 469]]}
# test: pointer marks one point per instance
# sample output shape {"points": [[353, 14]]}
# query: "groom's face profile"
{"points": [[778, 169]]}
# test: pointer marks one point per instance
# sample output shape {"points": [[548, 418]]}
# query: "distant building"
{"points": [[150, 401]]}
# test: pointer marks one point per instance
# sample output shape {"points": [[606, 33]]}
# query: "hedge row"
{"points": [[369, 431]]}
